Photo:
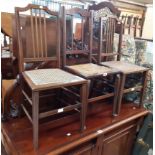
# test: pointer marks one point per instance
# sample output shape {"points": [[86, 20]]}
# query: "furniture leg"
{"points": [[84, 98], [91, 84], [116, 93], [121, 89], [21, 102], [144, 82], [35, 117]]}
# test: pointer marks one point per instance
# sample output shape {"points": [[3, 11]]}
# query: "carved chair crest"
{"points": [[104, 13]]}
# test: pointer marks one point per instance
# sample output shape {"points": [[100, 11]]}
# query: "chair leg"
{"points": [[144, 82], [35, 118], [91, 84], [121, 89], [20, 114], [116, 93], [84, 98]]}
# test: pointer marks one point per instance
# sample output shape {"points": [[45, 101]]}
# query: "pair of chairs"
{"points": [[38, 34]]}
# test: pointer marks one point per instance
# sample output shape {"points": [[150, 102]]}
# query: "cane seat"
{"points": [[43, 78], [90, 70], [124, 67]]}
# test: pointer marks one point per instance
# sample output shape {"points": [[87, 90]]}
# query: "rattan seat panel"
{"points": [[52, 77], [124, 66], [90, 69]]}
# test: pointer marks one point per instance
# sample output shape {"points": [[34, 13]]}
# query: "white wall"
{"points": [[148, 24], [9, 5]]}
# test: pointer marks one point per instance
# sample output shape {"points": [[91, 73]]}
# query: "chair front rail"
{"points": [[27, 113], [27, 97], [60, 110], [71, 92], [137, 88], [101, 97]]}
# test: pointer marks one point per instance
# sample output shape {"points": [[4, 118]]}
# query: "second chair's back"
{"points": [[38, 31], [106, 24], [79, 43]]}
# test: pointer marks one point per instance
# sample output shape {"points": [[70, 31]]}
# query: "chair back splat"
{"points": [[74, 44], [38, 31]]}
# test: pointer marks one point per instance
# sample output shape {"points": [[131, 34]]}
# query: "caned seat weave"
{"points": [[90, 69], [51, 76], [124, 67]]}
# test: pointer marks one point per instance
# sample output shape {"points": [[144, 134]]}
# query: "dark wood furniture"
{"points": [[92, 72], [106, 23], [132, 16], [133, 25], [108, 19], [35, 44], [105, 135], [7, 68], [7, 57]]}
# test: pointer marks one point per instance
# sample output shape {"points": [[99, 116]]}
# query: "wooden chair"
{"points": [[102, 11], [92, 72], [39, 40], [107, 16]]}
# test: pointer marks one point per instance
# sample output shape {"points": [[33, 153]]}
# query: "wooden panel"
{"points": [[50, 36], [7, 68], [6, 21], [120, 142], [53, 138]]}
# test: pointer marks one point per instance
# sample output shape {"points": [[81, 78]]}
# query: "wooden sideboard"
{"points": [[7, 69], [104, 135]]}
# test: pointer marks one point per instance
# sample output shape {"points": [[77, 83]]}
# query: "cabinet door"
{"points": [[119, 143], [83, 149]]}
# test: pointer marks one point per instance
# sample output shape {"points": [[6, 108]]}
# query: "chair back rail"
{"points": [[102, 5], [36, 39]]}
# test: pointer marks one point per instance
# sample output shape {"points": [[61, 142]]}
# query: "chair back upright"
{"points": [[77, 43], [38, 33]]}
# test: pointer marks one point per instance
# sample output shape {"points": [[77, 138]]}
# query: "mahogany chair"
{"points": [[107, 17], [105, 10], [39, 41], [95, 74]]}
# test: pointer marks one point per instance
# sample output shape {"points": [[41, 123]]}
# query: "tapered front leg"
{"points": [[35, 118], [144, 83], [84, 101], [120, 94], [116, 93], [90, 87]]}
